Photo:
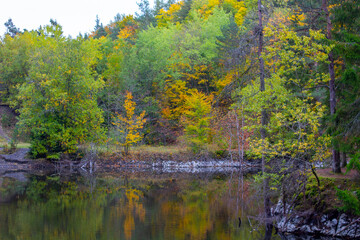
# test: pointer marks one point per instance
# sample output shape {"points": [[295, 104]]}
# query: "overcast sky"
{"points": [[74, 16]]}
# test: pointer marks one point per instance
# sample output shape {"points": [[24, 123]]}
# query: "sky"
{"points": [[75, 16]]}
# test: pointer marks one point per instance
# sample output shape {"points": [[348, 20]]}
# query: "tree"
{"points": [[146, 16], [58, 101], [332, 92], [129, 125], [290, 135], [99, 30], [345, 20], [264, 116], [11, 29], [14, 65], [196, 119]]}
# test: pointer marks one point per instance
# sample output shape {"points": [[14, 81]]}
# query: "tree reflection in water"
{"points": [[132, 206]]}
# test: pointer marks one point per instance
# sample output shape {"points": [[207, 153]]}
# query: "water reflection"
{"points": [[130, 206]]}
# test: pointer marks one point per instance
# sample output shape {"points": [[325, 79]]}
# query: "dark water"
{"points": [[124, 205]]}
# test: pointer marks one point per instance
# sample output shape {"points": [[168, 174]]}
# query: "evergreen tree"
{"points": [[99, 30], [146, 17], [11, 29]]}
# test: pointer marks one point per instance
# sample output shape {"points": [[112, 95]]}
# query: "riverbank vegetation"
{"points": [[275, 80]]}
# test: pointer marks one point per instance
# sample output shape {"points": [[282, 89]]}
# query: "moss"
{"points": [[324, 198]]}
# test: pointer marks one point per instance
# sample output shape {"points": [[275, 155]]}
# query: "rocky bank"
{"points": [[338, 225]]}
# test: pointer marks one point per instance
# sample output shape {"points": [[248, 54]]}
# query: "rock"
{"points": [[290, 227], [324, 219], [343, 220], [315, 229], [334, 222], [297, 220], [20, 176], [354, 232], [306, 229], [327, 227], [278, 209], [19, 156], [281, 223]]}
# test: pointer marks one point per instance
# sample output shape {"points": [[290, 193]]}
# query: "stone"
{"points": [[291, 228], [324, 219], [343, 220], [306, 229], [334, 222], [315, 229]]}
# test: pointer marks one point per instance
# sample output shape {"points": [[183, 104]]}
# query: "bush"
{"points": [[354, 163], [350, 200], [7, 120]]}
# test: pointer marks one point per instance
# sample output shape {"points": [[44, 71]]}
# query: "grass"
{"points": [[149, 149], [173, 149], [20, 145]]}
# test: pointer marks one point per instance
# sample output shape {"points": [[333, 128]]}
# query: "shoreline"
{"points": [[316, 224], [336, 225]]}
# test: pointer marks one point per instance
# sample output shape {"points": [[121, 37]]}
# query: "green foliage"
{"points": [[350, 200], [354, 163], [14, 56], [7, 120], [59, 107], [293, 115], [64, 88], [197, 120]]}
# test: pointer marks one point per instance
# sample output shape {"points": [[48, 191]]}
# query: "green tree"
{"points": [[58, 101], [345, 19], [291, 135], [14, 65], [196, 119]]}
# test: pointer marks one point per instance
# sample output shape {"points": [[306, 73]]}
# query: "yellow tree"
{"points": [[196, 119], [237, 8], [129, 125], [165, 17]]}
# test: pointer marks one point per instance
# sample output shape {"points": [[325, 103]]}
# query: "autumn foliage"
{"points": [[129, 125], [184, 66]]}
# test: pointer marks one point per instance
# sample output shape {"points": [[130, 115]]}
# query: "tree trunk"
{"points": [[126, 150], [264, 120], [230, 137], [343, 162], [240, 152], [332, 92]]}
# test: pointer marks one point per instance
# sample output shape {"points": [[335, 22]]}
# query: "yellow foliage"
{"points": [[129, 125], [298, 18], [239, 9], [226, 80], [294, 120], [134, 208], [126, 32], [196, 119], [165, 17], [128, 28], [197, 73], [176, 95]]}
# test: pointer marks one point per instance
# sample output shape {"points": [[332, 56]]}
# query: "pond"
{"points": [[130, 205]]}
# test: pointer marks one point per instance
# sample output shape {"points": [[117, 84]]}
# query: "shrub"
{"points": [[350, 200]]}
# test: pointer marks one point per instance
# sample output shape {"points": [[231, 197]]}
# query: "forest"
{"points": [[277, 81], [191, 71], [210, 74]]}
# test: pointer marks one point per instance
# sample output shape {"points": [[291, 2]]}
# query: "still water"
{"points": [[125, 205]]}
